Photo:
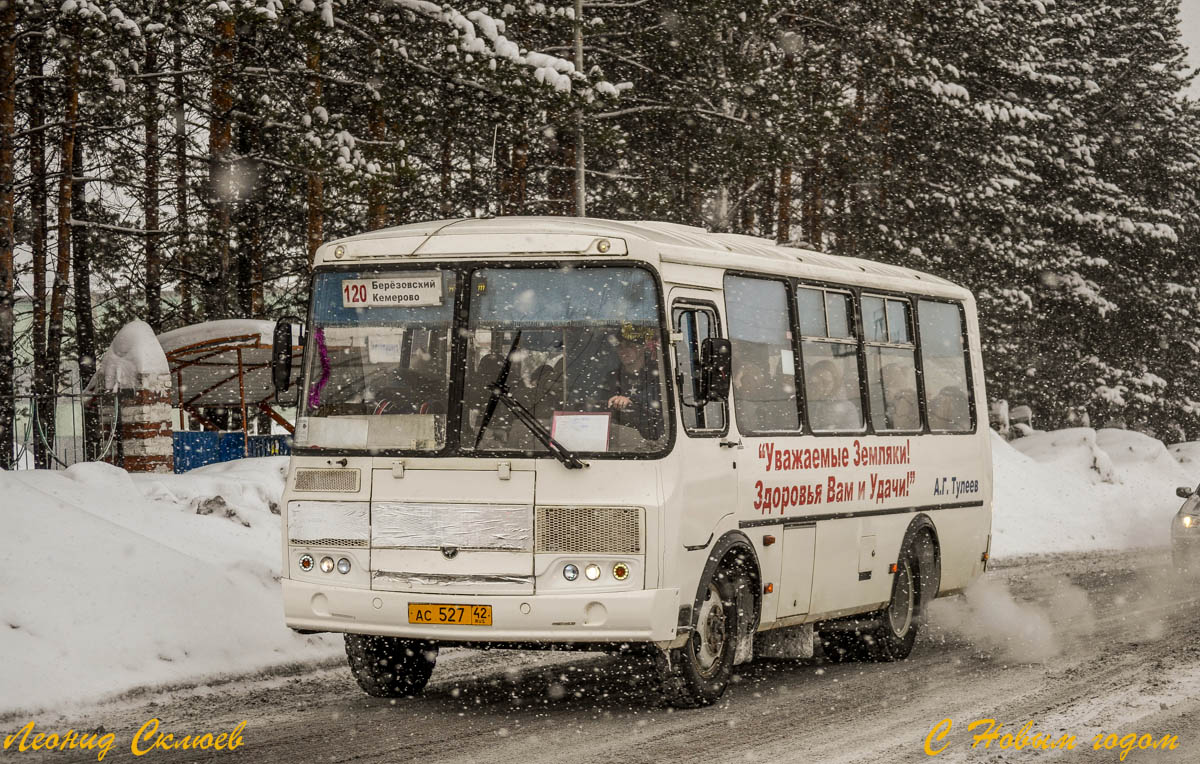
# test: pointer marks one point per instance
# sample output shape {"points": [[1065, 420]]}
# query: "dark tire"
{"points": [[899, 622], [889, 634], [390, 667], [696, 674]]}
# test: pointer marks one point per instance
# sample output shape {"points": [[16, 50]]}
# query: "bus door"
{"points": [[776, 494], [706, 453]]}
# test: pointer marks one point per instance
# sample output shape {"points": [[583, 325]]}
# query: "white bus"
{"points": [[628, 435]]}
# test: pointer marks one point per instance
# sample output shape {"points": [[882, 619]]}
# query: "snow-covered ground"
{"points": [[1081, 489], [110, 581]]}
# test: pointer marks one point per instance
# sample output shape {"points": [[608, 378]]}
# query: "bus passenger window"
{"points": [[830, 351], [891, 364], [764, 368], [944, 364], [695, 324]]}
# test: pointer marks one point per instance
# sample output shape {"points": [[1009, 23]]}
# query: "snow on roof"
{"points": [[407, 240], [211, 331], [133, 355]]}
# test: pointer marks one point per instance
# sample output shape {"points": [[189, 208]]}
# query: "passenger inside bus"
{"points": [[949, 410], [900, 397], [828, 405]]}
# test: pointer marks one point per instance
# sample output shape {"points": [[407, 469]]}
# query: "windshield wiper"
{"points": [[496, 387], [500, 392]]}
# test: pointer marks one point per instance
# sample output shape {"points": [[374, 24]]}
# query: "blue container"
{"points": [[194, 449], [270, 445], [230, 446]]}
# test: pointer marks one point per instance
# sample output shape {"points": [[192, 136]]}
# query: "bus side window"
{"points": [[829, 348], [943, 361], [695, 324], [764, 365], [891, 364]]}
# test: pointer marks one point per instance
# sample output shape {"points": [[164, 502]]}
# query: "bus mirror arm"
{"points": [[281, 355], [716, 357]]}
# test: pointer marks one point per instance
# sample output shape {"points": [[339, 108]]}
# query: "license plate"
{"points": [[457, 615]]}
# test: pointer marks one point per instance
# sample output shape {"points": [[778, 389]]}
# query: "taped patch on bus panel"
{"points": [[348, 520], [413, 525]]}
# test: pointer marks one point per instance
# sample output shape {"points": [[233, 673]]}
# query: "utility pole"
{"points": [[580, 196]]}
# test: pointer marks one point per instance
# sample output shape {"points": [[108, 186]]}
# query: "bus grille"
{"points": [[341, 480], [589, 530], [328, 542]]}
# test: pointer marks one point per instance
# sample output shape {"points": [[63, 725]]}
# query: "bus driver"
{"points": [[633, 387]]}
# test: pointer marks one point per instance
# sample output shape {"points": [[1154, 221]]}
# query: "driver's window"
{"points": [[694, 324]]}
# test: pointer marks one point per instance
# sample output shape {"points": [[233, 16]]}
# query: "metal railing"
{"points": [[70, 442]]}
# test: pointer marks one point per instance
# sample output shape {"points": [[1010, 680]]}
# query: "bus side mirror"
{"points": [[716, 356], [281, 355]]}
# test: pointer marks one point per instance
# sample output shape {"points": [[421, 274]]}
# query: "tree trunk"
{"points": [[766, 204], [66, 184], [747, 205], [446, 170], [512, 190], [43, 395], [813, 204], [561, 188], [150, 156], [85, 327], [216, 269], [315, 194], [376, 204], [8, 97], [783, 220], [182, 247]]}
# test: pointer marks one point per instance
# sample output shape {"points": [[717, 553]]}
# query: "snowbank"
{"points": [[113, 581], [1081, 489], [133, 356]]}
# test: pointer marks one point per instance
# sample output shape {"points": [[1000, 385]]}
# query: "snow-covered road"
{"points": [[1080, 644]]}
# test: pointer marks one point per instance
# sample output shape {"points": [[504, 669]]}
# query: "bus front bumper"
{"points": [[639, 616]]}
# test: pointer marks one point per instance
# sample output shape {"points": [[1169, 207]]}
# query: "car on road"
{"points": [[1185, 531]]}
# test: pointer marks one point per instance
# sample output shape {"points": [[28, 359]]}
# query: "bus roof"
{"points": [[674, 242]]}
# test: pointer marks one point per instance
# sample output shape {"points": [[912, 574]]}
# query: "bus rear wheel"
{"points": [[390, 667], [897, 631], [696, 674], [888, 634]]}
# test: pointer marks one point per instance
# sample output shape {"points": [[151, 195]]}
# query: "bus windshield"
{"points": [[579, 347], [378, 373]]}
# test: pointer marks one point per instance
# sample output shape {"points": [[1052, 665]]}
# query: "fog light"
{"points": [[570, 572], [343, 566], [592, 572], [326, 564], [306, 562], [620, 571]]}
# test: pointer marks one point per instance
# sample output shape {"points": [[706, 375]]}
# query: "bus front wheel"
{"points": [[696, 674], [390, 667]]}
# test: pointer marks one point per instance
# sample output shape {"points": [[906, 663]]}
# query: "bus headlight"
{"points": [[570, 572], [620, 571], [326, 564], [306, 562], [592, 571], [1188, 521], [343, 566]]}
